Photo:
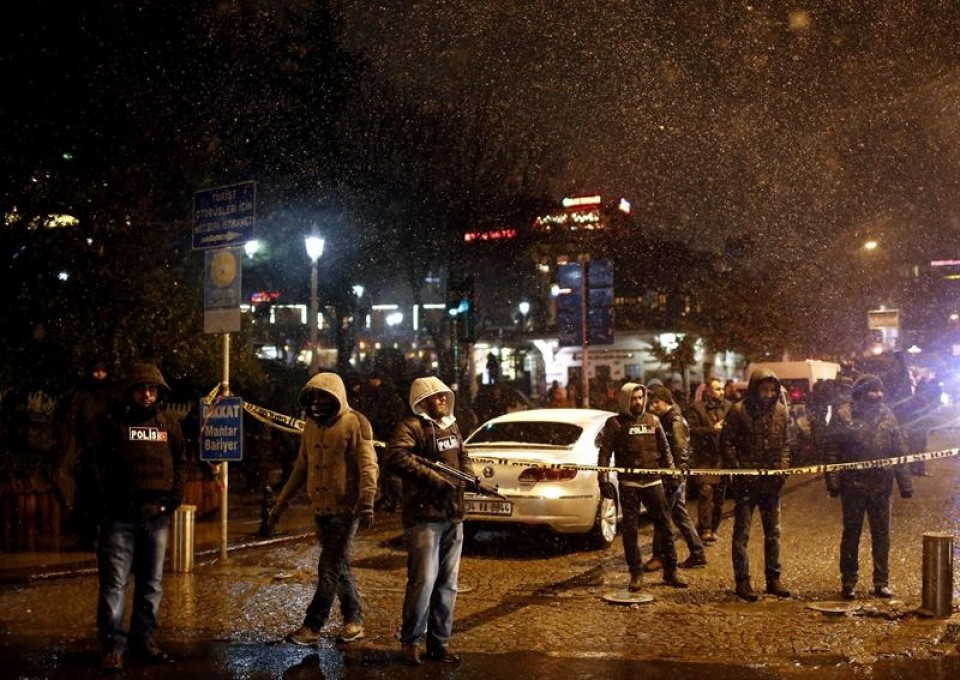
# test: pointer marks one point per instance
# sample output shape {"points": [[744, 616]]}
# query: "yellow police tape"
{"points": [[295, 426]]}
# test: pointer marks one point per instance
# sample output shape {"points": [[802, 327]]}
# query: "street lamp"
{"points": [[524, 307], [314, 250]]}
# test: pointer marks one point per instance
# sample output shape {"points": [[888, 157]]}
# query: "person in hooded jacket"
{"points": [[675, 425], [755, 436], [432, 518], [134, 461], [865, 429], [634, 438], [338, 464]]}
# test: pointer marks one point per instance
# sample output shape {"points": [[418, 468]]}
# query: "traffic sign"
{"points": [[224, 216], [221, 430]]}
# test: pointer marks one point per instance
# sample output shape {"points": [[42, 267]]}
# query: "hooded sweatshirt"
{"points": [[428, 496], [755, 434], [630, 441], [336, 457]]}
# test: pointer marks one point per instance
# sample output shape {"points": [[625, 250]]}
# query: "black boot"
{"points": [[636, 582], [746, 592]]}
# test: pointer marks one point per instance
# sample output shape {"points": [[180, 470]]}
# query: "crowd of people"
{"points": [[366, 448]]}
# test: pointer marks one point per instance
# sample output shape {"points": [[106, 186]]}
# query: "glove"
{"points": [[684, 468], [608, 490], [366, 520], [906, 494]]}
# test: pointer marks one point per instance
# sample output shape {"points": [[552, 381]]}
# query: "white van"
{"points": [[799, 377]]}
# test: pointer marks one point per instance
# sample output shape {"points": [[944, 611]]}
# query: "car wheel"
{"points": [[604, 529]]}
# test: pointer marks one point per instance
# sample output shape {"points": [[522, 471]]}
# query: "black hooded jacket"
{"points": [[756, 435]]}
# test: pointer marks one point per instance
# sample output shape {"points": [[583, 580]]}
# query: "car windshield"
{"points": [[523, 432]]}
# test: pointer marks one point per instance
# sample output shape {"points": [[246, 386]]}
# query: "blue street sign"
{"points": [[224, 216], [221, 430]]}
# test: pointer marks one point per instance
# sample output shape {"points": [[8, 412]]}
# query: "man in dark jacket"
{"points": [[634, 438], [432, 518], [755, 436], [337, 463], [706, 421], [675, 426], [865, 429], [135, 460]]}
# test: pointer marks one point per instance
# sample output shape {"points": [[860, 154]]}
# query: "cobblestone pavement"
{"points": [[528, 592]]}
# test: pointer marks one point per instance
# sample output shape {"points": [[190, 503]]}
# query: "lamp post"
{"points": [[314, 246], [524, 308]]}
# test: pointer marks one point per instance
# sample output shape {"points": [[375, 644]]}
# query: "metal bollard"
{"points": [[938, 574], [182, 538]]}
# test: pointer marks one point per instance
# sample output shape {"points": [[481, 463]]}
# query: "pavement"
{"points": [[211, 542]]}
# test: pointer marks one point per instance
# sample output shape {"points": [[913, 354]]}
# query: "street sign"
{"points": [[878, 319], [598, 277], [221, 430], [221, 290], [224, 216]]}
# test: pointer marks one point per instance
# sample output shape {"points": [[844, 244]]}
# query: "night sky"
{"points": [[808, 125]]}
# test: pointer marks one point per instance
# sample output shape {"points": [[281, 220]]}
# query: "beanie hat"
{"points": [[864, 384], [659, 392]]}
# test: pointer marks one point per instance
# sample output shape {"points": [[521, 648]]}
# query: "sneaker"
{"points": [[636, 582], [883, 591], [776, 588], [746, 592], [442, 654], [694, 561], [653, 564], [848, 592], [112, 661], [304, 636], [351, 632], [148, 651]]}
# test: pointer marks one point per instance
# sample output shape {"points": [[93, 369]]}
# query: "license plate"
{"points": [[488, 507]]}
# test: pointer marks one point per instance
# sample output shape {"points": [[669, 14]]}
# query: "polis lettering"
{"points": [[641, 429], [447, 444], [147, 434]]}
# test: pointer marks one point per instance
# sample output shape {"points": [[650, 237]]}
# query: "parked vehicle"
{"points": [[542, 493]]}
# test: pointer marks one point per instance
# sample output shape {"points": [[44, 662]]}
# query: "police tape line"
{"points": [[701, 472], [295, 426]]}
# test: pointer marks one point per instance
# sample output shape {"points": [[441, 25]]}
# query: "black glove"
{"points": [[366, 520], [608, 490], [906, 494]]}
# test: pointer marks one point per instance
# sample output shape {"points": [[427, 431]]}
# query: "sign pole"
{"points": [[225, 465], [585, 329]]}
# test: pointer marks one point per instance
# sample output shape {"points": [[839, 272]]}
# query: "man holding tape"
{"points": [[865, 429], [755, 436]]}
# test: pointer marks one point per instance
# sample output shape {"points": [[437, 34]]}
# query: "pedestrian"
{"points": [[135, 461], [337, 462], [863, 430], [432, 518], [634, 438], [755, 436], [382, 404], [706, 418], [81, 409], [675, 426]]}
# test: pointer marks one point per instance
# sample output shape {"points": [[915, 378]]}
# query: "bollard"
{"points": [[184, 520], [938, 574]]}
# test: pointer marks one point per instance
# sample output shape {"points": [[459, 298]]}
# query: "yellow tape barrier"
{"points": [[295, 426]]}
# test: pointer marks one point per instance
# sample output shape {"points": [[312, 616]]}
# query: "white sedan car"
{"points": [[566, 500]]}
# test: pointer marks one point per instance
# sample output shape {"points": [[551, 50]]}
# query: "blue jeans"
{"points": [[124, 546], [763, 495], [433, 564], [334, 577]]}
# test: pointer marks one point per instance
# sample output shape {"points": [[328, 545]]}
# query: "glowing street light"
{"points": [[314, 246], [524, 308]]}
